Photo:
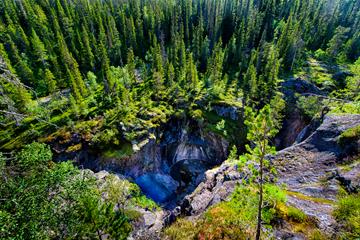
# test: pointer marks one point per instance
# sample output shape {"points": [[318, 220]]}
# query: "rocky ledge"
{"points": [[310, 170]]}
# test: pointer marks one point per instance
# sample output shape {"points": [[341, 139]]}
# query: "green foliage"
{"points": [[34, 156], [309, 105], [45, 200], [233, 219], [296, 214], [321, 55], [347, 213], [182, 56]]}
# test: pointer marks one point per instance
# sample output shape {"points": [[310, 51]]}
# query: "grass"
{"points": [[233, 219], [296, 214], [309, 198], [347, 213], [182, 229], [236, 218]]}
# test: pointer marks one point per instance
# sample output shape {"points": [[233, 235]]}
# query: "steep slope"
{"points": [[309, 170]]}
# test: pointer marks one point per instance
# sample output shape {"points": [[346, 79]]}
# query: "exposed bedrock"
{"points": [[310, 170], [173, 162], [294, 120]]}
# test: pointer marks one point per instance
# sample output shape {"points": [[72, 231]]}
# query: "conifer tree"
{"points": [[50, 81], [262, 126], [39, 49]]}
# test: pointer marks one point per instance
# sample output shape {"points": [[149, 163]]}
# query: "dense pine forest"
{"points": [[106, 103]]}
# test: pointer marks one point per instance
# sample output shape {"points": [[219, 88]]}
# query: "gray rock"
{"points": [[219, 183], [308, 168], [227, 111]]}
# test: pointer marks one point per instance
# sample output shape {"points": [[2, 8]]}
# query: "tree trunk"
{"points": [[258, 230]]}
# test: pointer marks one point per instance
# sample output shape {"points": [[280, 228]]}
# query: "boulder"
{"points": [[219, 183]]}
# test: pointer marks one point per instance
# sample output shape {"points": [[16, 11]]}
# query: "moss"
{"points": [[132, 214], [309, 198], [74, 148], [349, 136], [296, 214], [316, 234], [125, 150]]}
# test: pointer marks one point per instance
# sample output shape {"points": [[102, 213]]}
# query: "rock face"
{"points": [[172, 164], [228, 111], [309, 170], [218, 185], [294, 121], [149, 223]]}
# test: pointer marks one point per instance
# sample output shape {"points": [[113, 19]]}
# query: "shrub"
{"points": [[34, 156], [321, 55], [347, 213], [296, 214], [310, 105], [234, 219]]}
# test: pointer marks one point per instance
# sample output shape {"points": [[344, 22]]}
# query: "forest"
{"points": [[119, 117]]}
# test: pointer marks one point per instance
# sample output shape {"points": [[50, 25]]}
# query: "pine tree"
{"points": [[250, 84], [11, 87], [262, 127], [39, 49], [215, 65], [50, 81], [131, 64], [335, 45], [191, 73], [86, 52]]}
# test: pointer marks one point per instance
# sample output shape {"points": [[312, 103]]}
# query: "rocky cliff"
{"points": [[310, 170]]}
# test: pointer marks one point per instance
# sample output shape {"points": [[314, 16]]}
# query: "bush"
{"points": [[321, 55], [310, 106], [35, 155], [296, 214], [347, 213]]}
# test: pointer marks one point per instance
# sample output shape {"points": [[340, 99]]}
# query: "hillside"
{"points": [[190, 119]]}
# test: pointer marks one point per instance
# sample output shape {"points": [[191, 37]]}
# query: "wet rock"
{"points": [[159, 187]]}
